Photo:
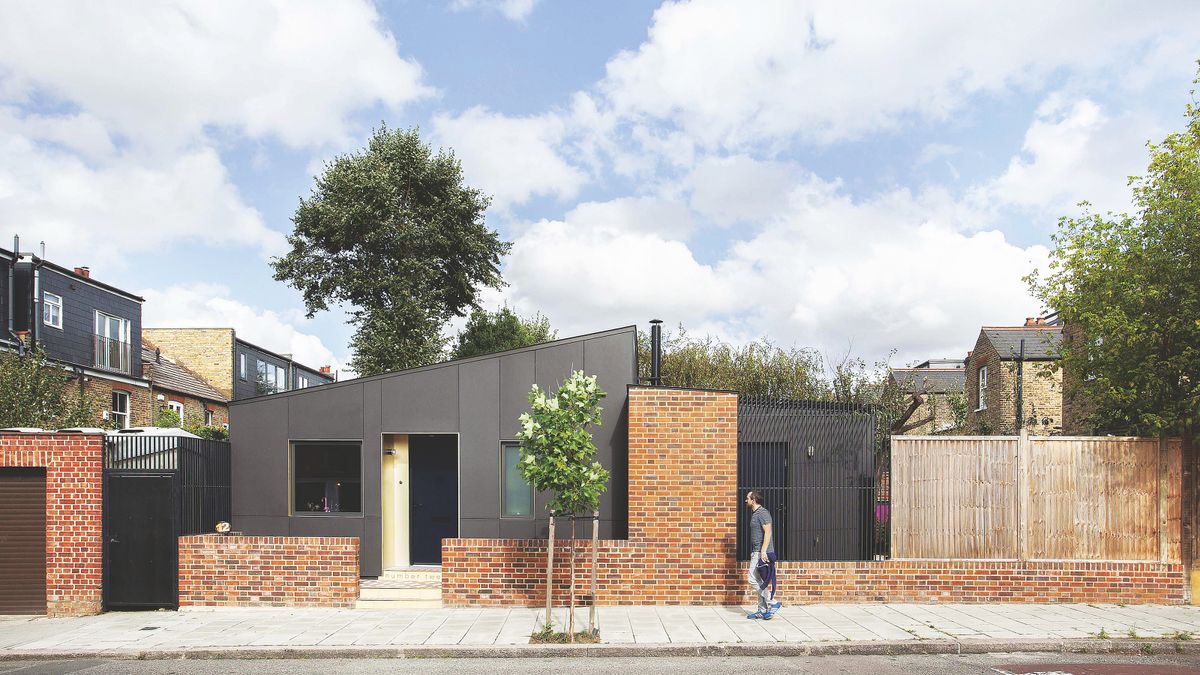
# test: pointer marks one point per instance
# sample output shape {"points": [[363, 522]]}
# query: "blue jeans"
{"points": [[764, 594]]}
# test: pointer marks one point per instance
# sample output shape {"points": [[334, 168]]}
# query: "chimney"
{"points": [[85, 272], [326, 370], [157, 355], [656, 352]]}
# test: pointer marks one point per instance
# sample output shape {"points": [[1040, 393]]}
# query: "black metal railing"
{"points": [[201, 468], [111, 354], [818, 466]]}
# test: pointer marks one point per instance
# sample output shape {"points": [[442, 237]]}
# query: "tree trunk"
{"points": [[550, 572], [571, 613], [595, 553]]}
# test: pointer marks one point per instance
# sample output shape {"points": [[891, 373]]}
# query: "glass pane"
{"points": [[327, 478], [518, 497]]}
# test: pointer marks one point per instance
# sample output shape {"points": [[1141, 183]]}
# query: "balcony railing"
{"points": [[111, 354]]}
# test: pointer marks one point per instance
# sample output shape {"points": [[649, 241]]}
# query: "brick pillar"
{"points": [[683, 489]]}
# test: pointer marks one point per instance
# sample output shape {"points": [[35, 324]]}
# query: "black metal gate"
{"points": [[815, 464], [156, 489]]}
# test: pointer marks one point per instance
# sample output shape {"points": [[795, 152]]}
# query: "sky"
{"points": [[850, 181]]}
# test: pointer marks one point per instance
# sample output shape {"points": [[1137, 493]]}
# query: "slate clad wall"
{"points": [[74, 342], [479, 399]]}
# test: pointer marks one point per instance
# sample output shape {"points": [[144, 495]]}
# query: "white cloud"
{"points": [[166, 72], [1074, 151], [732, 76], [513, 10], [510, 158], [741, 189], [125, 204], [210, 305], [893, 271]]}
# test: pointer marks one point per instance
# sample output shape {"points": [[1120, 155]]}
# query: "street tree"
{"points": [[558, 456], [39, 393], [1127, 287], [393, 233], [489, 332]]}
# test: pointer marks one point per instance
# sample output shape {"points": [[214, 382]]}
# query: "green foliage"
{"points": [[757, 369], [38, 393], [490, 332], [210, 433], [547, 635], [393, 232], [557, 450], [1129, 288], [167, 419]]}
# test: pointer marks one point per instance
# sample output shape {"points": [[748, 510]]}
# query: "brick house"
{"points": [[934, 381], [174, 386], [1011, 364], [235, 368]]}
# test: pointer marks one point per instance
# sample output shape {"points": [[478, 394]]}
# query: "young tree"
{"points": [[393, 231], [1128, 289], [490, 332], [38, 393], [558, 456]]}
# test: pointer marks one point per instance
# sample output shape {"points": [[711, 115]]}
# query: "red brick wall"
{"points": [[238, 571], [74, 524], [978, 581], [682, 518]]}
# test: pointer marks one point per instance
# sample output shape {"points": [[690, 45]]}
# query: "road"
{"points": [[994, 664]]}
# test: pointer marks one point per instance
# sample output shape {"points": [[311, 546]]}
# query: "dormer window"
{"points": [[52, 310], [111, 343]]}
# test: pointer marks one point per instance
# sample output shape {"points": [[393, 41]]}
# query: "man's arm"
{"points": [[766, 546]]}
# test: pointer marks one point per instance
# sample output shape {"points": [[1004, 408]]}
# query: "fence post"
{"points": [[1023, 494], [1163, 468]]}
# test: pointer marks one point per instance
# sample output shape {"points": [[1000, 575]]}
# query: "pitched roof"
{"points": [[1041, 342], [167, 374], [930, 380]]}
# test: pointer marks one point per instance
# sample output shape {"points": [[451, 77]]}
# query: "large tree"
{"points": [[490, 332], [1128, 289], [394, 232]]}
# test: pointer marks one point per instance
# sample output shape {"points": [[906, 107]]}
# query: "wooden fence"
{"points": [[1035, 498]]}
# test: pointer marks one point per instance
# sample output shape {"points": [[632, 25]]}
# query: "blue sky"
{"points": [[826, 177]]}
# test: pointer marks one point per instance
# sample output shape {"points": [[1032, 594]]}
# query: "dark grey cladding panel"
{"points": [[261, 526], [333, 413], [611, 360], [480, 528], [421, 401], [511, 528], [370, 547], [258, 434], [479, 427], [372, 448], [516, 374], [327, 526], [74, 342], [554, 364]]}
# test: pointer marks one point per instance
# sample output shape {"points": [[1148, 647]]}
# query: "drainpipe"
{"points": [[1021, 388], [11, 268]]}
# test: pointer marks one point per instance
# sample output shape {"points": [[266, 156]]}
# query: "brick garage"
{"points": [[239, 571], [74, 507], [682, 518]]}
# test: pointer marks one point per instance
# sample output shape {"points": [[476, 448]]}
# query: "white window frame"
{"points": [[122, 416], [302, 382], [982, 378], [208, 417], [242, 364], [54, 320], [178, 408], [123, 337]]}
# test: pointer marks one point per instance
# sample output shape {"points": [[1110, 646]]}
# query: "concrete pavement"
{"points": [[833, 628]]}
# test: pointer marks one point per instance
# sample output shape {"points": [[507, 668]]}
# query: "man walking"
{"points": [[762, 555]]}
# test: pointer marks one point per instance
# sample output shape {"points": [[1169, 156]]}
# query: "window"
{"points": [[112, 342], [326, 477], [302, 382], [52, 310], [178, 408], [271, 378], [120, 409], [242, 365], [208, 417], [983, 379], [516, 495]]}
